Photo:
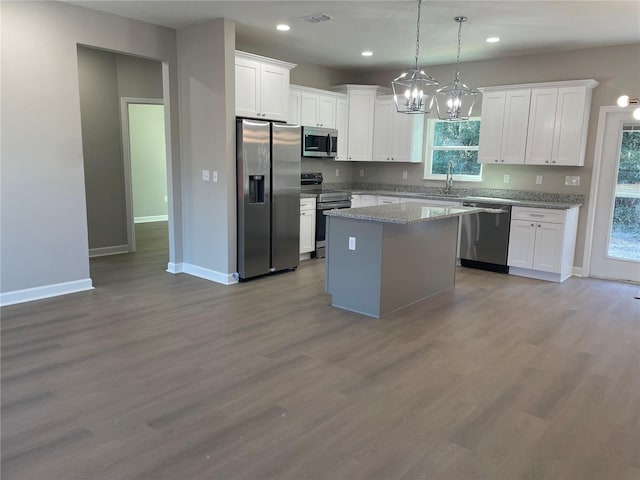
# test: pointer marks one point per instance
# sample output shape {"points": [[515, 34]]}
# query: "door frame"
{"points": [[126, 155], [594, 193]]}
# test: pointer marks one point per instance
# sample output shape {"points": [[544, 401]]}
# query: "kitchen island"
{"points": [[382, 258]]}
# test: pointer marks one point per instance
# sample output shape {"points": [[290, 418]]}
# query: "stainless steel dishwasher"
{"points": [[484, 238]]}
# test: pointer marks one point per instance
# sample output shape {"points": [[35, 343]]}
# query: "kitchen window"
{"points": [[455, 142]]}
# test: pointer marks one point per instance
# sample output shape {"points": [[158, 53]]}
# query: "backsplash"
{"points": [[460, 192]]}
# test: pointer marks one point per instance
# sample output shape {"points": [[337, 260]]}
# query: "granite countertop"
{"points": [[402, 213], [537, 203]]}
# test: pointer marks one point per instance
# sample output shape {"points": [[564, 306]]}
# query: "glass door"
{"points": [[615, 249]]}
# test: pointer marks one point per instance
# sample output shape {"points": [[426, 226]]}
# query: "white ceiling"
{"points": [[388, 28]]}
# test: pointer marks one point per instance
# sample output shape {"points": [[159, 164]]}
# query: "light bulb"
{"points": [[407, 93], [623, 101], [415, 92], [636, 113], [450, 102]]}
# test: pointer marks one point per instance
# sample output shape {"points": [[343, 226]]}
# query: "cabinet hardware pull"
{"points": [[536, 214]]}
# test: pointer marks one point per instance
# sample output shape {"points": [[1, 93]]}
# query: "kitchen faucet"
{"points": [[448, 183]]}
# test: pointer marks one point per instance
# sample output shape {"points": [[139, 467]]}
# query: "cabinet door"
{"points": [[360, 141], [542, 119], [356, 201], [383, 130], [570, 127], [368, 200], [309, 105], [401, 141], [548, 249], [294, 107], [492, 116], [516, 120], [522, 237], [327, 111], [247, 87], [307, 231], [342, 117], [274, 92]]}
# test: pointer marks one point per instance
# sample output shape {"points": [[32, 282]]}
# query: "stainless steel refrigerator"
{"points": [[268, 171]]}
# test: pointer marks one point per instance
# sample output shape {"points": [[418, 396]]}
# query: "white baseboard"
{"points": [[207, 274], [152, 218], [113, 250], [305, 256], [46, 291], [577, 271]]}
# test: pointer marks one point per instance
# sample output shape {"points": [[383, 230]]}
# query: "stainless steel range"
{"points": [[326, 199]]}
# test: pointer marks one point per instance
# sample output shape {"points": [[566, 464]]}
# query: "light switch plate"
{"points": [[362, 172], [337, 172], [352, 243], [404, 174], [215, 176], [205, 175], [506, 178], [538, 179]]}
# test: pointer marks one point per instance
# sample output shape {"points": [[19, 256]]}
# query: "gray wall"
{"points": [[616, 68], [102, 148], [42, 195], [104, 78], [206, 55]]}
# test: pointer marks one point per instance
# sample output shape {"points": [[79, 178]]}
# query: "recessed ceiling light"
{"points": [[283, 28], [493, 39], [367, 53]]}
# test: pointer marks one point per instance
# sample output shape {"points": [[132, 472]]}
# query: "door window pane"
{"points": [[624, 240]]}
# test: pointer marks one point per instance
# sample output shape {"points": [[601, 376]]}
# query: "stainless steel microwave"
{"points": [[319, 142]]}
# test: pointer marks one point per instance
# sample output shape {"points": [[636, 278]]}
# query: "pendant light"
{"points": [[411, 89], [456, 100], [624, 101]]}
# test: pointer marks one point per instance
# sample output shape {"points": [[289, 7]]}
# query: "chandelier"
{"points": [[411, 89], [456, 100]]}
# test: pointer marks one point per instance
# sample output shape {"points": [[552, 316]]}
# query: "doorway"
{"points": [[615, 249], [144, 165]]}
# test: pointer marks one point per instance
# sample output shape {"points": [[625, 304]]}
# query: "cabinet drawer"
{"points": [[538, 214], [307, 204]]}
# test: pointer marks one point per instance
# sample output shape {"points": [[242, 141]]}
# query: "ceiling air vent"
{"points": [[317, 18]]}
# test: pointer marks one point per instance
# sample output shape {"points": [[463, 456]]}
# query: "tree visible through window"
{"points": [[455, 142]]}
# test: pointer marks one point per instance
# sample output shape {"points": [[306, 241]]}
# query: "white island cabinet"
{"points": [[262, 87], [542, 242]]}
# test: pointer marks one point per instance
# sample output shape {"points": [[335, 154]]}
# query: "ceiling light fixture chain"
{"points": [[418, 33], [459, 20]]}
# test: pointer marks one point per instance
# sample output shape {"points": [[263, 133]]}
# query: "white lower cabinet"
{"points": [[307, 225], [363, 200], [542, 242], [386, 200]]}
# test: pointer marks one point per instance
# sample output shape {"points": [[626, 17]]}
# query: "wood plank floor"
{"points": [[159, 376]]}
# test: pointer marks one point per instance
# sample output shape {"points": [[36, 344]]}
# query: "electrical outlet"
{"points": [[362, 172], [337, 172], [166, 199], [572, 181], [352, 243], [215, 176], [506, 178], [538, 179], [205, 175], [404, 175]]}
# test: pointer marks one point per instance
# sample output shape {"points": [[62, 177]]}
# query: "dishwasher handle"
{"points": [[498, 209]]}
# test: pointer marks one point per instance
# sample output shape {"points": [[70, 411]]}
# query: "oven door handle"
{"points": [[333, 206]]}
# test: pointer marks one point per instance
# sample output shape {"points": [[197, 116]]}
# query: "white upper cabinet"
{"points": [[542, 124], [294, 107], [318, 110], [558, 124], [503, 127], [262, 87], [397, 137], [361, 101], [342, 119]]}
